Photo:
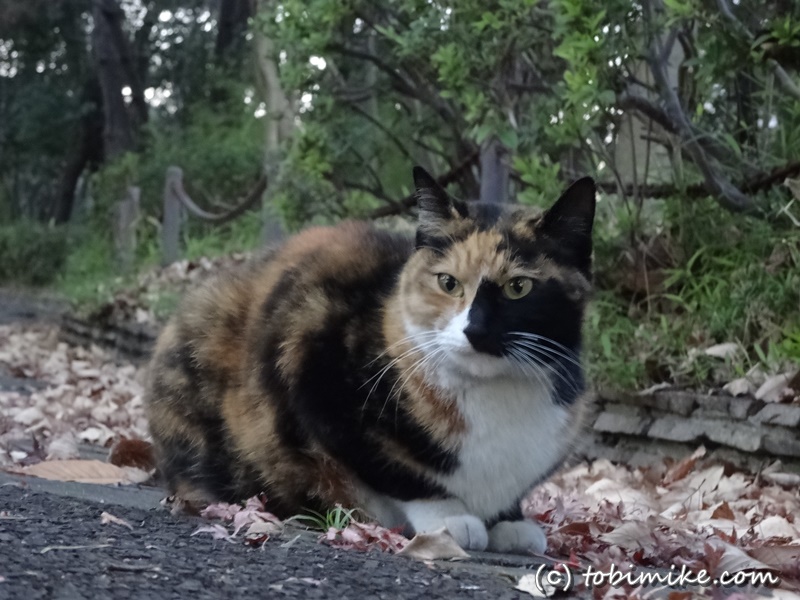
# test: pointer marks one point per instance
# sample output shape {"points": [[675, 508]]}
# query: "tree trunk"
{"points": [[233, 17], [118, 132], [494, 171], [278, 122], [86, 151]]}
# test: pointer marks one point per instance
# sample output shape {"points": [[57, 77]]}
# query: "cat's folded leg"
{"points": [[517, 537], [424, 516]]}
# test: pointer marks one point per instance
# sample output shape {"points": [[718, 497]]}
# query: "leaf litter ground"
{"points": [[692, 513]]}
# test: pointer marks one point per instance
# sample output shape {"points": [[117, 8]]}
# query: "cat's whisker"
{"points": [[419, 348], [534, 338], [550, 352], [409, 338], [554, 365], [542, 367], [569, 381], [395, 360], [522, 361], [404, 377], [440, 354]]}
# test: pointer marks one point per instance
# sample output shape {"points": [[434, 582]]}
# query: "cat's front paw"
{"points": [[517, 537], [468, 531]]}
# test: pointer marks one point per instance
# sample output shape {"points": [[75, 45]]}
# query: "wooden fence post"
{"points": [[171, 225], [125, 222]]}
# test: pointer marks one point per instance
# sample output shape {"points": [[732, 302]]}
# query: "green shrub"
{"points": [[31, 253]]}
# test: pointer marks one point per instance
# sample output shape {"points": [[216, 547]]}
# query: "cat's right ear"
{"points": [[437, 210], [433, 201]]}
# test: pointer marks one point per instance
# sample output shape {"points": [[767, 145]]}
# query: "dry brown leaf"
{"points": [[432, 546], [723, 511], [84, 471], [365, 536], [684, 467], [631, 535], [106, 518], [734, 559], [782, 557], [132, 453]]}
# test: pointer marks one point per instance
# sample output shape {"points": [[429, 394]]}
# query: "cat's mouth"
{"points": [[465, 361]]}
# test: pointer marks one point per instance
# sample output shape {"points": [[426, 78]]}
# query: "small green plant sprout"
{"points": [[337, 518]]}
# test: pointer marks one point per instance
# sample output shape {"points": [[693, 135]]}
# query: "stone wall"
{"points": [[642, 428], [132, 340]]}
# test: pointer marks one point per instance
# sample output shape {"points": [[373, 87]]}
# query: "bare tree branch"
{"points": [[786, 81], [627, 101], [403, 205], [386, 131], [729, 195]]}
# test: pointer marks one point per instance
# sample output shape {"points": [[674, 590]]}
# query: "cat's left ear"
{"points": [[571, 218]]}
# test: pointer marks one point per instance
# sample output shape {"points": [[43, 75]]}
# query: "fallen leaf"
{"points": [[683, 467], [96, 435], [633, 534], [773, 388], [723, 511], [217, 531], [781, 557], [29, 416], [63, 447], [365, 536], [220, 510], [739, 387], [530, 585], [132, 453], [47, 549], [787, 480], [434, 545], [726, 350], [734, 559], [106, 518], [776, 526], [262, 528], [84, 471]]}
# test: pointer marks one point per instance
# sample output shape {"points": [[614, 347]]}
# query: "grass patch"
{"points": [[91, 276], [31, 253], [731, 279]]}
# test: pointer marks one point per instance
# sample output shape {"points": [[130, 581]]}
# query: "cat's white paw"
{"points": [[468, 531], [517, 537]]}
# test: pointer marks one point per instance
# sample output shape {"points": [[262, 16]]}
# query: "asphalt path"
{"points": [[54, 545]]}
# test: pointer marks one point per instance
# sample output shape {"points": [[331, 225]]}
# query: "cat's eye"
{"points": [[517, 288], [450, 284]]}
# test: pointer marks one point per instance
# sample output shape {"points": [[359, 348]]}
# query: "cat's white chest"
{"points": [[515, 435]]}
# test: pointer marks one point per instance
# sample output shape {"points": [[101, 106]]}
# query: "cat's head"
{"points": [[498, 289]]}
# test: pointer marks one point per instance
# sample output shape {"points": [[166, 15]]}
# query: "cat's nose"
{"points": [[478, 337]]}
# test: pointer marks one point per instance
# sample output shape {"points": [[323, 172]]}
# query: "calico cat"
{"points": [[430, 382]]}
